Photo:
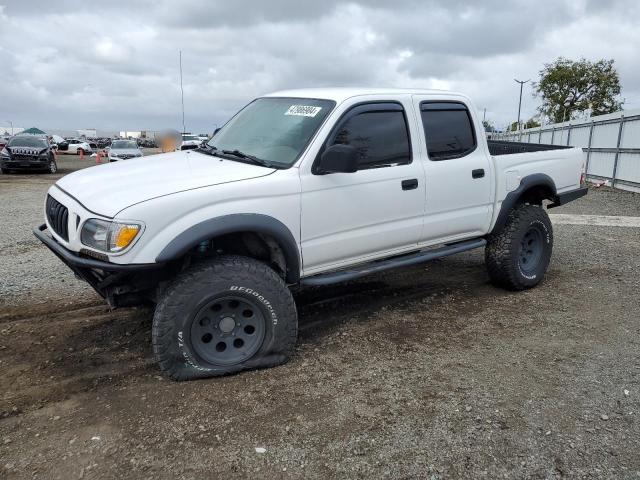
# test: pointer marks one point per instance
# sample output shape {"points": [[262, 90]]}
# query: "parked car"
{"points": [[77, 146], [28, 152], [103, 142], [123, 150], [3, 141], [190, 142], [303, 188], [58, 142]]}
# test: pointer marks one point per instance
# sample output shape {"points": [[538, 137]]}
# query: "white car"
{"points": [[123, 150], [303, 188], [76, 146], [189, 142]]}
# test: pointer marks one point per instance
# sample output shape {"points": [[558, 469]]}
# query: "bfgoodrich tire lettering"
{"points": [[518, 255], [227, 286]]}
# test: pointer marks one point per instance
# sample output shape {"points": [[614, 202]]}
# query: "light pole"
{"points": [[10, 123], [520, 101]]}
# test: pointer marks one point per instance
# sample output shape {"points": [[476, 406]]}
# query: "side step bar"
{"points": [[401, 261]]}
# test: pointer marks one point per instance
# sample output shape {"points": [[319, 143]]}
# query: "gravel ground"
{"points": [[427, 372]]}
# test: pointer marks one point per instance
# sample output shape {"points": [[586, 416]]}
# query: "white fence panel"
{"points": [[546, 137], [605, 136], [629, 167], [631, 134], [580, 136], [601, 164], [613, 154]]}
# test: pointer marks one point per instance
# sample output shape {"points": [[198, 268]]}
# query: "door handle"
{"points": [[477, 173], [411, 184]]}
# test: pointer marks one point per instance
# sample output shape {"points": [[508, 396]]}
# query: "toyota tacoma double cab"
{"points": [[303, 188]]}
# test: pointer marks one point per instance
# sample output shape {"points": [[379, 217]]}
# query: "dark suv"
{"points": [[33, 152]]}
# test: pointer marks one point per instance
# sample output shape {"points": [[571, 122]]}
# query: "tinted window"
{"points": [[380, 137], [448, 130]]}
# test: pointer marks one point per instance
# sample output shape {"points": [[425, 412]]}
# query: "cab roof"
{"points": [[339, 94]]}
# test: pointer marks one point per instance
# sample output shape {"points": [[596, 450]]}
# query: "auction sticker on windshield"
{"points": [[303, 110]]}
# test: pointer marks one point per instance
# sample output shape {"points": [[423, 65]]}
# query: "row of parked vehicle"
{"points": [[37, 152]]}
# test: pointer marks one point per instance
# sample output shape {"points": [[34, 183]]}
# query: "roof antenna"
{"points": [[184, 129]]}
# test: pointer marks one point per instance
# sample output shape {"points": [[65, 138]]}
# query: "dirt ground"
{"points": [[428, 372]]}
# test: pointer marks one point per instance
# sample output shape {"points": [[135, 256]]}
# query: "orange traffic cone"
{"points": [[81, 154]]}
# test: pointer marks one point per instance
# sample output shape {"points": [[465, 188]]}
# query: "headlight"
{"points": [[108, 236]]}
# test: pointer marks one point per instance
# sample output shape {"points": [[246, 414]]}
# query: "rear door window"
{"points": [[448, 130]]}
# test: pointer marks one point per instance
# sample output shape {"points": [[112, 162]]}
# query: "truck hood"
{"points": [[107, 189]]}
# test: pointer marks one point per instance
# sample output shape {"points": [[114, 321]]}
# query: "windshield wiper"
{"points": [[246, 156], [208, 149]]}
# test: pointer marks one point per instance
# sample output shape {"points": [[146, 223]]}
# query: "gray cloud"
{"points": [[75, 64]]}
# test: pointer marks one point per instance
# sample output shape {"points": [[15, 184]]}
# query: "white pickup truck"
{"points": [[303, 187]]}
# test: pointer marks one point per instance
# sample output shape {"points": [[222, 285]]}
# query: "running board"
{"points": [[401, 261]]}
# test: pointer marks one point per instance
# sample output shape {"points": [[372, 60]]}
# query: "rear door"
{"points": [[458, 171], [353, 217]]}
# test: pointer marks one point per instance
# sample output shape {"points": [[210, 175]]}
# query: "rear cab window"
{"points": [[448, 129]]}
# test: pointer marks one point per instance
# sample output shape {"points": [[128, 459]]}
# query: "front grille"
{"points": [[58, 217]]}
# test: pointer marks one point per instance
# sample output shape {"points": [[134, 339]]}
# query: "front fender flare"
{"points": [[242, 222]]}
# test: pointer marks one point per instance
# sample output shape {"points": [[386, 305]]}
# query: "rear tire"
{"points": [[518, 255], [224, 316]]}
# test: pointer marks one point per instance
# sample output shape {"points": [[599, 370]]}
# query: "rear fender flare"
{"points": [[513, 197]]}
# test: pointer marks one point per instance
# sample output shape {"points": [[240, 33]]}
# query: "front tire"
{"points": [[52, 167], [518, 255], [224, 316]]}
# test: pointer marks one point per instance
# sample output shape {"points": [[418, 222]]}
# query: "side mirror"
{"points": [[216, 131], [339, 159]]}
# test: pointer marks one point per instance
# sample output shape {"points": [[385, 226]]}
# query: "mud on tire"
{"points": [[518, 255], [230, 314]]}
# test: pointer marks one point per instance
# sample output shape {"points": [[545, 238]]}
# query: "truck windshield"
{"points": [[273, 129]]}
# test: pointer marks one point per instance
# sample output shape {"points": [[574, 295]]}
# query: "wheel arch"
{"points": [[533, 189], [263, 225]]}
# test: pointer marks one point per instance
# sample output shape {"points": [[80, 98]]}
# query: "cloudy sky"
{"points": [[114, 64]]}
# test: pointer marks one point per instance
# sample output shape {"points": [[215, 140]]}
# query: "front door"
{"points": [[353, 217]]}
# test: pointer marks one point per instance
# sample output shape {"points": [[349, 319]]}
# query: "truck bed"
{"points": [[500, 147]]}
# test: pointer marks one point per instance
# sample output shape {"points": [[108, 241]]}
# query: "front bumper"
{"points": [[109, 280], [19, 163]]}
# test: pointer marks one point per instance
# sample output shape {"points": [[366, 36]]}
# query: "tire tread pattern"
{"points": [[233, 269], [501, 253]]}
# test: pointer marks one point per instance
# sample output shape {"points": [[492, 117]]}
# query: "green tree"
{"points": [[569, 88], [531, 123]]}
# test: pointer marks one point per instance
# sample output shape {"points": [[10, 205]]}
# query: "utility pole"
{"points": [[484, 115], [521, 82], [184, 129], [10, 123]]}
